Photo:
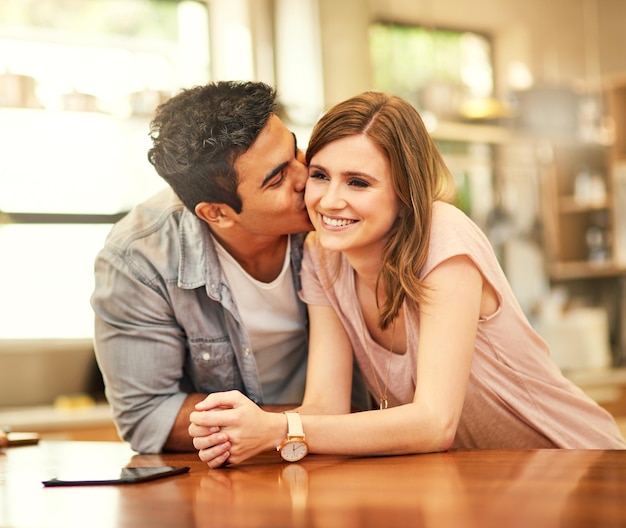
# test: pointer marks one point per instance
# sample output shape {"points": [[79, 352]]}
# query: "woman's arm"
{"points": [[448, 325], [329, 370]]}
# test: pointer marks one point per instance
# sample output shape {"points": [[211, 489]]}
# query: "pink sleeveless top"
{"points": [[516, 395]]}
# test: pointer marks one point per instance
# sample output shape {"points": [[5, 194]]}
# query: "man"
{"points": [[196, 288]]}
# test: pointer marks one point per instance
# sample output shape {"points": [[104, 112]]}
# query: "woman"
{"points": [[396, 274]]}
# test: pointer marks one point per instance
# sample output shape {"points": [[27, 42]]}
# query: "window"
{"points": [[439, 70], [79, 82], [448, 76]]}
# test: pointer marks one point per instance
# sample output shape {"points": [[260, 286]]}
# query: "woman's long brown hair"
{"points": [[419, 176]]}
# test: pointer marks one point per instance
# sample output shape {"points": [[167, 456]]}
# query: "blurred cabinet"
{"points": [[583, 190], [578, 203], [616, 105]]}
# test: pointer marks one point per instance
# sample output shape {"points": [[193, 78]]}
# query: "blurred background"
{"points": [[526, 100]]}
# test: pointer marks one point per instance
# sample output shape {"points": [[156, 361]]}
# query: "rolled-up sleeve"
{"points": [[140, 350]]}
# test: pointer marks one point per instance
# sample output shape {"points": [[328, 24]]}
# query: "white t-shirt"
{"points": [[271, 317]]}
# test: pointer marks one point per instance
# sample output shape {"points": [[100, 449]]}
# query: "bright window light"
{"points": [[79, 83]]}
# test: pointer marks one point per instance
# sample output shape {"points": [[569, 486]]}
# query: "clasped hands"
{"points": [[229, 427]]}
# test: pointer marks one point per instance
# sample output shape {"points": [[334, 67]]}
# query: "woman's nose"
{"points": [[332, 198]]}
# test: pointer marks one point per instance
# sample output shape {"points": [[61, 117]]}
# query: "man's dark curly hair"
{"points": [[198, 134]]}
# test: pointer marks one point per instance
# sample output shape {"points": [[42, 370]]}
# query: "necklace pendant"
{"points": [[383, 403]]}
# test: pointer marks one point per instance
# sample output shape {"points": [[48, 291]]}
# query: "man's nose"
{"points": [[300, 156], [302, 173]]}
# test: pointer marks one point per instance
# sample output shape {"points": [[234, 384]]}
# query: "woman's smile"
{"points": [[335, 221]]}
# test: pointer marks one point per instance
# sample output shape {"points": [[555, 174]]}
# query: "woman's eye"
{"points": [[355, 182], [317, 175]]}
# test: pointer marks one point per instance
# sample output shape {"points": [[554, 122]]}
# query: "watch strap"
{"points": [[294, 424]]}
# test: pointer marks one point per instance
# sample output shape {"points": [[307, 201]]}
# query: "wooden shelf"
{"points": [[584, 270], [473, 133], [570, 205], [574, 230]]}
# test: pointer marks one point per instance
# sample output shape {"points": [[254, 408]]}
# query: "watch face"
{"points": [[294, 450]]}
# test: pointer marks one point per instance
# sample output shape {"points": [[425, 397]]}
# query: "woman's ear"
{"points": [[216, 214]]}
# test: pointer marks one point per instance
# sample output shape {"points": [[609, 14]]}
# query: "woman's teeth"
{"points": [[335, 222]]}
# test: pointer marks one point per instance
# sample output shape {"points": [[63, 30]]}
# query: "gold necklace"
{"points": [[382, 396]]}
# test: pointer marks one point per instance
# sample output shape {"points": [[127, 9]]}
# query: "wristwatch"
{"points": [[294, 447]]}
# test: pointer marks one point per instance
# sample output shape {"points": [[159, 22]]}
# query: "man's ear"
{"points": [[216, 214]]}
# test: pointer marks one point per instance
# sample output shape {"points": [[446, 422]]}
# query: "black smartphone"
{"points": [[127, 475]]}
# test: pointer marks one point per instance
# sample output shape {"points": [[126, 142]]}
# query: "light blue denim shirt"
{"points": [[166, 323]]}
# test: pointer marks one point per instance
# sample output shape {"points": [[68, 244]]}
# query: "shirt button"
{"points": [[246, 351], [206, 356]]}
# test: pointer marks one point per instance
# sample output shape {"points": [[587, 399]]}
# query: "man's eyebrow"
{"points": [[280, 167], [273, 173]]}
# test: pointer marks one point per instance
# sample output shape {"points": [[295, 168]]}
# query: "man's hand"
{"points": [[179, 439], [227, 426]]}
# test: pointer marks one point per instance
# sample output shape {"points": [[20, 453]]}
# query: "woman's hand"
{"points": [[227, 426]]}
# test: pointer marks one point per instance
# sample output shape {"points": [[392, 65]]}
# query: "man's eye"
{"points": [[276, 182]]}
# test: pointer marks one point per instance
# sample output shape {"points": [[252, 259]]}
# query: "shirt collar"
{"points": [[198, 265]]}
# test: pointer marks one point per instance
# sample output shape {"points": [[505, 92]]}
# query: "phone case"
{"points": [[127, 475]]}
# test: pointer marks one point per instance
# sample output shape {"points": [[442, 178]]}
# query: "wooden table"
{"points": [[508, 489]]}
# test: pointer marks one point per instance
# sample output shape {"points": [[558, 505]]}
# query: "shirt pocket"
{"points": [[213, 365]]}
